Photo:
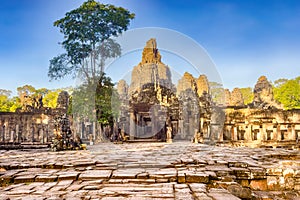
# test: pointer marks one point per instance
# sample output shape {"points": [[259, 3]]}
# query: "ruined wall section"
{"points": [[35, 126]]}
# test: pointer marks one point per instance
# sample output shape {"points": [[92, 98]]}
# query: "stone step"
{"points": [[143, 140]]}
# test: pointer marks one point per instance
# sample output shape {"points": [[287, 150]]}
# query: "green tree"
{"points": [[217, 92], [50, 99], [107, 101], [15, 104], [280, 82], [87, 31], [248, 95], [5, 102], [27, 89], [88, 43], [288, 93]]}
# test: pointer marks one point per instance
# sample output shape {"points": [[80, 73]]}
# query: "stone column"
{"points": [[278, 133], [248, 133], [47, 133], [201, 123], [94, 131], [208, 132], [260, 137], [263, 130], [293, 133], [11, 136], [235, 132], [17, 133], [32, 133], [132, 125], [6, 131], [27, 130], [275, 133], [3, 133], [138, 127], [42, 134]]}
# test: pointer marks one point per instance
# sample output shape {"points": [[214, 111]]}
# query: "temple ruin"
{"points": [[33, 124], [151, 104], [154, 108]]}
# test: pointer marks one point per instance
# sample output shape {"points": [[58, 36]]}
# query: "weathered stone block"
{"points": [[46, 178], [289, 172], [68, 176], [259, 185], [273, 183], [241, 173], [95, 174], [196, 177], [221, 194], [289, 183], [24, 179], [257, 173], [239, 191], [276, 171]]}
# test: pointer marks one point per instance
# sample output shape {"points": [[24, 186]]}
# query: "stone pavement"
{"points": [[180, 170]]}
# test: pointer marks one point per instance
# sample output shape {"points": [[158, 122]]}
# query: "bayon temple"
{"points": [[154, 108], [152, 105]]}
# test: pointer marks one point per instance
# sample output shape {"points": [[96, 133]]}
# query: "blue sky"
{"points": [[245, 39]]}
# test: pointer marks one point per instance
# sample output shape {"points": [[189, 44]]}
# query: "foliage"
{"points": [[50, 99], [5, 104], [8, 104], [88, 44], [288, 93], [107, 101], [87, 31], [248, 95], [96, 102], [27, 89], [217, 92]]}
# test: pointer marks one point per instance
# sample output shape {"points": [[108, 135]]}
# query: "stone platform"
{"points": [[180, 170]]}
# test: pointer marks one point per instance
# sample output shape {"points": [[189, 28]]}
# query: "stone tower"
{"points": [[150, 70]]}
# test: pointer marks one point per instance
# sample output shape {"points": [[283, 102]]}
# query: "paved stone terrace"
{"points": [[180, 170]]}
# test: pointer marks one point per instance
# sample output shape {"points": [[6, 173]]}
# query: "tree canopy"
{"points": [[248, 95], [288, 93], [87, 31]]}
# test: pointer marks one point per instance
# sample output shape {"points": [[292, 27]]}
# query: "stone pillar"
{"points": [[81, 129], [235, 132], [42, 135], [11, 136], [32, 133], [201, 123], [278, 133], [17, 133], [132, 125], [248, 133], [293, 133], [6, 132], [221, 135], [263, 130], [47, 133], [208, 132], [3, 133], [28, 130], [260, 137], [275, 133], [94, 131], [138, 127]]}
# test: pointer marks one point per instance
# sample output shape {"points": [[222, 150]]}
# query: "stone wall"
{"points": [[35, 126]]}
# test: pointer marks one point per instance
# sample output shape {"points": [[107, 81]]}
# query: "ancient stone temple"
{"points": [[149, 104], [152, 104], [33, 123], [261, 123]]}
